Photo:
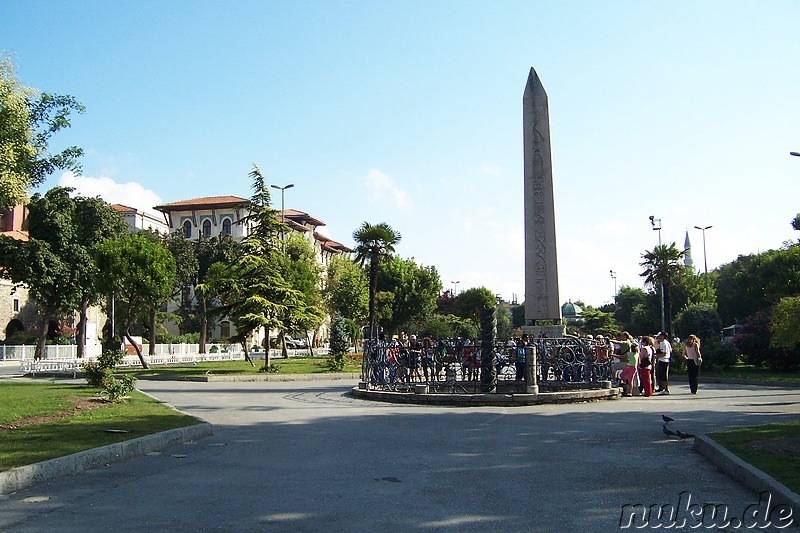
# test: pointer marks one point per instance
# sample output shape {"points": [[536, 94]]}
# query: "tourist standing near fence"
{"points": [[691, 352]]}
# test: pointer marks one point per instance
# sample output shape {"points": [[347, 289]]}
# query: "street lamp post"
{"points": [[282, 189], [455, 288], [705, 261], [656, 223], [614, 277]]}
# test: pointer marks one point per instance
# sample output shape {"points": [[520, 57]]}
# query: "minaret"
{"points": [[687, 252]]}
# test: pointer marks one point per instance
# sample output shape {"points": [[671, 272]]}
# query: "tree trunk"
{"points": [[282, 340], [42, 339], [152, 348], [266, 348], [247, 354], [138, 350], [80, 335], [203, 326]]}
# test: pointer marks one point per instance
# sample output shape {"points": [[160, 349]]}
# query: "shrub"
{"points": [[753, 341], [718, 354], [700, 319], [110, 358], [677, 363], [271, 369], [340, 343], [115, 390], [97, 375]]}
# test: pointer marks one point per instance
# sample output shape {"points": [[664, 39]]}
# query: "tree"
{"points": [[138, 272], [28, 120], [598, 322], [414, 290], [662, 267], [374, 242], [471, 302], [785, 326], [252, 289], [699, 319], [222, 249], [347, 289], [57, 261], [301, 270]]}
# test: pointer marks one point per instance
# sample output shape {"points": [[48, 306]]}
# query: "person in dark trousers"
{"points": [[691, 352]]}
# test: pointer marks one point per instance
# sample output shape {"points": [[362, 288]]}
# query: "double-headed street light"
{"points": [[282, 189], [614, 277], [705, 262], [656, 223], [455, 288]]}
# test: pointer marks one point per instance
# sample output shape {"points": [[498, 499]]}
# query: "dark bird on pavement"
{"points": [[683, 435], [667, 419], [668, 432]]}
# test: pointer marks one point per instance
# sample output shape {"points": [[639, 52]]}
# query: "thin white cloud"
{"points": [[131, 194], [383, 189]]}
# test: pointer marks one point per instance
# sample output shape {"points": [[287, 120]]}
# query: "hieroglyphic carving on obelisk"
{"points": [[541, 265]]}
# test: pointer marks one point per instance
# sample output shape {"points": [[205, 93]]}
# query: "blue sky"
{"points": [[410, 113]]}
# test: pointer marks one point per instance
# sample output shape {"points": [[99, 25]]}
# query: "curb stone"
{"points": [[746, 474], [26, 476]]}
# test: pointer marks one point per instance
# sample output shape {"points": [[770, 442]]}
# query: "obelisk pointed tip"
{"points": [[534, 85]]}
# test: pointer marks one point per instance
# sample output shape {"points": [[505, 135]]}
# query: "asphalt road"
{"points": [[304, 456]]}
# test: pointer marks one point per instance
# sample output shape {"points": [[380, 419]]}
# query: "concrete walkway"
{"points": [[305, 456]]}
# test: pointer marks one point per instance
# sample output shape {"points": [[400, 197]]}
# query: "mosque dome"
{"points": [[570, 310]]}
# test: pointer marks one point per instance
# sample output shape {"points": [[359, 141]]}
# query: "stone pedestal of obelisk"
{"points": [[542, 308]]}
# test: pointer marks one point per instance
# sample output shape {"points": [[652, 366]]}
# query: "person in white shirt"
{"points": [[663, 353]]}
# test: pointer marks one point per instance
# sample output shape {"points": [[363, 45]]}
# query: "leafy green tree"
{"points": [[439, 326], [517, 316], [28, 120], [414, 290], [598, 322], [662, 268], [504, 329], [137, 272], [222, 249], [785, 326], [374, 242], [302, 272], [347, 289], [56, 263], [340, 343], [252, 290], [698, 319], [471, 302]]}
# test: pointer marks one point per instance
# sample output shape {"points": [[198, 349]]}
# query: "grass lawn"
{"points": [[294, 365], [40, 421], [773, 449]]}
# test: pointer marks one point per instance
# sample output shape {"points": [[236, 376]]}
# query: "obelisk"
{"points": [[542, 308]]}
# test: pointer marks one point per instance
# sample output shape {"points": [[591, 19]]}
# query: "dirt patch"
{"points": [[786, 447], [80, 405]]}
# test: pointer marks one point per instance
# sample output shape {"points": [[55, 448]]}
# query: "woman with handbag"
{"points": [[646, 366], [691, 352]]}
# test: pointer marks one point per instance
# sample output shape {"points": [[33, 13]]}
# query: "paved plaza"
{"points": [[305, 456]]}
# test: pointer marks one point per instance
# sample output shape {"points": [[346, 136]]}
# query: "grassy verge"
{"points": [[294, 365], [751, 372], [773, 449], [84, 429]]}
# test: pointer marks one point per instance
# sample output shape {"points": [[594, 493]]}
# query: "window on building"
{"points": [[206, 228], [225, 329], [16, 305], [187, 229], [226, 226]]}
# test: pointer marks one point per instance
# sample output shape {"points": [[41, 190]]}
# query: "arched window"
{"points": [[226, 226], [187, 229], [225, 329], [206, 228]]}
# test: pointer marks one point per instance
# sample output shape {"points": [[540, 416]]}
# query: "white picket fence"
{"points": [[63, 359]]}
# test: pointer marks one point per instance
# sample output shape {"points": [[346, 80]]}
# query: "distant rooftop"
{"points": [[207, 202]]}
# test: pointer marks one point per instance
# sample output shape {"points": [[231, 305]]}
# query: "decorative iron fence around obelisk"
{"points": [[454, 365]]}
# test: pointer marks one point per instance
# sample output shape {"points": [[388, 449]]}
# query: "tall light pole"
{"points": [[656, 223], [282, 189], [705, 261], [614, 277], [455, 288]]}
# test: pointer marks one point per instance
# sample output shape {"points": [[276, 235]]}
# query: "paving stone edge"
{"points": [[746, 474]]}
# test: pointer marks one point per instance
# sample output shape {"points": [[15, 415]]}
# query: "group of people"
{"points": [[408, 359], [642, 365]]}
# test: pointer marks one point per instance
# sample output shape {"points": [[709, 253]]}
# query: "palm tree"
{"points": [[373, 243], [662, 267]]}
